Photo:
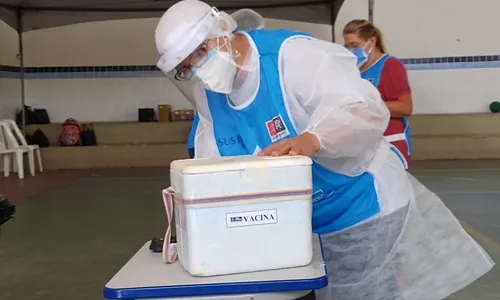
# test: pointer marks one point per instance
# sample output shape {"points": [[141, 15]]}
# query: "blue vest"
{"points": [[339, 201], [192, 133], [373, 75]]}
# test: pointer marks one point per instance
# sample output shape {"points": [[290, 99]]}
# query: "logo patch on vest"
{"points": [[277, 128]]}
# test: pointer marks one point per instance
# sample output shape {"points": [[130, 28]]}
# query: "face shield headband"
{"points": [[169, 60]]}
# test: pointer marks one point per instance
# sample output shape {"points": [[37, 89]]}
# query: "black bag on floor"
{"points": [[88, 137], [29, 139], [41, 116], [7, 210], [147, 115], [40, 139]]}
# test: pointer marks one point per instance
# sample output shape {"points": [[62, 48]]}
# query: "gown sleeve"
{"points": [[344, 111]]}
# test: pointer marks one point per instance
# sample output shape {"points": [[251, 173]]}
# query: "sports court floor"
{"points": [[75, 229]]}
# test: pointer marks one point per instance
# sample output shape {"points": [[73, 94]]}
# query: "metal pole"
{"points": [[371, 7], [21, 65], [332, 18]]}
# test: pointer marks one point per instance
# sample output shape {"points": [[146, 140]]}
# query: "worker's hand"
{"points": [[305, 144]]}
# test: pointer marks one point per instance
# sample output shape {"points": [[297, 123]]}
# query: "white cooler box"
{"points": [[242, 214]]}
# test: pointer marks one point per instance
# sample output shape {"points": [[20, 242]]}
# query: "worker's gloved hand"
{"points": [[305, 144]]}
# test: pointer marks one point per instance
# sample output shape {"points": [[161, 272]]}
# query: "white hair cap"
{"points": [[248, 19], [185, 26]]}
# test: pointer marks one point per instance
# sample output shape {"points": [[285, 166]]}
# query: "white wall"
{"points": [[350, 10], [10, 90], [430, 28], [413, 29], [113, 43], [9, 41], [125, 42]]}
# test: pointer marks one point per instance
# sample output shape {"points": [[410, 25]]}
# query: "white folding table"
{"points": [[146, 276]]}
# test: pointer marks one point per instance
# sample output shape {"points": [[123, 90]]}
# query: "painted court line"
{"points": [[481, 238]]}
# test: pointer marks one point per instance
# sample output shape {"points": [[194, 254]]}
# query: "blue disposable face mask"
{"points": [[361, 55]]}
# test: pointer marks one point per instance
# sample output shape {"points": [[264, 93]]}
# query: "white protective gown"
{"points": [[414, 249]]}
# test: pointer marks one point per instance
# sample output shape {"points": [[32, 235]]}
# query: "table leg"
{"points": [[263, 296], [310, 296]]}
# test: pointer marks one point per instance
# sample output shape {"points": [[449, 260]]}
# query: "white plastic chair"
{"points": [[8, 154], [15, 141]]}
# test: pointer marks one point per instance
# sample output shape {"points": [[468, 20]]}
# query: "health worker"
{"points": [[389, 76], [280, 92], [246, 19]]}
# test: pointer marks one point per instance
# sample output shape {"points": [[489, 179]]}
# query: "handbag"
{"points": [[89, 137], [147, 115], [41, 116]]}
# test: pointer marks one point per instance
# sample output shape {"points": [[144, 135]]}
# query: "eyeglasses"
{"points": [[196, 60]]}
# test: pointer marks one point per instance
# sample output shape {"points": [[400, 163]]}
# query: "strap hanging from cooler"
{"points": [[169, 249]]}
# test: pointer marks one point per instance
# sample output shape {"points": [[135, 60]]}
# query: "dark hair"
{"points": [[366, 30]]}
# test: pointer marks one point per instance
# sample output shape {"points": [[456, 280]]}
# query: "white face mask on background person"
{"points": [[218, 72]]}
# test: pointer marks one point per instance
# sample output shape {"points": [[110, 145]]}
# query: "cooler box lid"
{"points": [[234, 163]]}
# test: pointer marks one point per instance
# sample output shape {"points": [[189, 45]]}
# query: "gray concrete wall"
{"points": [[126, 133], [132, 144], [463, 136]]}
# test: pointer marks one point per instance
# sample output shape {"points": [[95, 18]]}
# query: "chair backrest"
{"points": [[8, 136], [3, 138], [17, 132]]}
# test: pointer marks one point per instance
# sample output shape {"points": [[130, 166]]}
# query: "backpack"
{"points": [[71, 133]]}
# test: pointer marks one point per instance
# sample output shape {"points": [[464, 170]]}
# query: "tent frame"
{"points": [[334, 6], [19, 15], [111, 9]]}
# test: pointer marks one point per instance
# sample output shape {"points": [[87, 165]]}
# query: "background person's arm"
{"points": [[395, 89], [401, 107]]}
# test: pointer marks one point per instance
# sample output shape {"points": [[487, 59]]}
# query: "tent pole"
{"points": [[332, 18], [371, 7], [21, 65]]}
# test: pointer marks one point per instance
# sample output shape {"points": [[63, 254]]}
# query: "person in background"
{"points": [[192, 135], [386, 73], [263, 92]]}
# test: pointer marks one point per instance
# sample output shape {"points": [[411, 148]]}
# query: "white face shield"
{"points": [[179, 33], [194, 42], [248, 19]]}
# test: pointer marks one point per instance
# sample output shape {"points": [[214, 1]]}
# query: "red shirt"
{"points": [[392, 85]]}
